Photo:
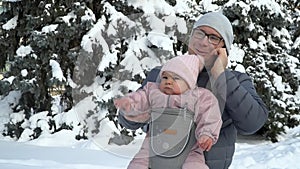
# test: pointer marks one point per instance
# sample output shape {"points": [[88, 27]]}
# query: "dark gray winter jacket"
{"points": [[243, 111]]}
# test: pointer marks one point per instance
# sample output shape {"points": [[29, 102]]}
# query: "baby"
{"points": [[177, 89]]}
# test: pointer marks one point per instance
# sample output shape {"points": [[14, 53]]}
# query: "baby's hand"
{"points": [[205, 142], [123, 104]]}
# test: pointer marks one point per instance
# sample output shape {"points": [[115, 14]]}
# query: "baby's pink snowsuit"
{"points": [[198, 100]]}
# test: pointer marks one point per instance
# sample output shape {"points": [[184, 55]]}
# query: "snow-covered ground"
{"points": [[62, 151]]}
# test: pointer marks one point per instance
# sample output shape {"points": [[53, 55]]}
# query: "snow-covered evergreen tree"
{"points": [[97, 50], [40, 41], [264, 31]]}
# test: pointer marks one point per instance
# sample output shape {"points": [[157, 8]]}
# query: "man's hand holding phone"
{"points": [[220, 63]]}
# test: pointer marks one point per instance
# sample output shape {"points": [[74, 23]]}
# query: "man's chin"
{"points": [[203, 54], [197, 52]]}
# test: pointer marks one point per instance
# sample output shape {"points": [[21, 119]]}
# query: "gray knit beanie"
{"points": [[220, 23]]}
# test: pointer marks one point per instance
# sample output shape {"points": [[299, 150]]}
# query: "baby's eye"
{"points": [[164, 77], [176, 78]]}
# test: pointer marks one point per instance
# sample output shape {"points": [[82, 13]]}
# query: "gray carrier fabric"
{"points": [[171, 137]]}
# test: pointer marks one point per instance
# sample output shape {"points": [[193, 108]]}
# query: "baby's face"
{"points": [[172, 84]]}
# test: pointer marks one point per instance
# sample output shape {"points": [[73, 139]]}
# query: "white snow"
{"points": [[62, 151], [270, 5], [56, 70], [49, 28], [160, 40], [24, 72], [9, 79], [153, 6], [11, 24], [22, 51]]}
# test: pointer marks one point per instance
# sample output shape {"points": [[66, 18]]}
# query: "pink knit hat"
{"points": [[185, 66]]}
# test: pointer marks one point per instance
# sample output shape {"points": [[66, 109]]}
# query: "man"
{"points": [[242, 109]]}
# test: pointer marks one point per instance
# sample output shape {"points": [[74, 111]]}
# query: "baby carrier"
{"points": [[172, 135]]}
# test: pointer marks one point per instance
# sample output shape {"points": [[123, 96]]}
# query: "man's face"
{"points": [[203, 42]]}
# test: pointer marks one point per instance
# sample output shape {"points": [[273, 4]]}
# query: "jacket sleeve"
{"points": [[244, 106], [208, 116], [139, 103], [129, 124]]}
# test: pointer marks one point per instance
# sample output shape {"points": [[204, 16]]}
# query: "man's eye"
{"points": [[164, 77], [199, 34], [215, 38]]}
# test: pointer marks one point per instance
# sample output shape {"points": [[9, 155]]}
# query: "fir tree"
{"points": [[95, 43], [263, 33], [46, 36]]}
